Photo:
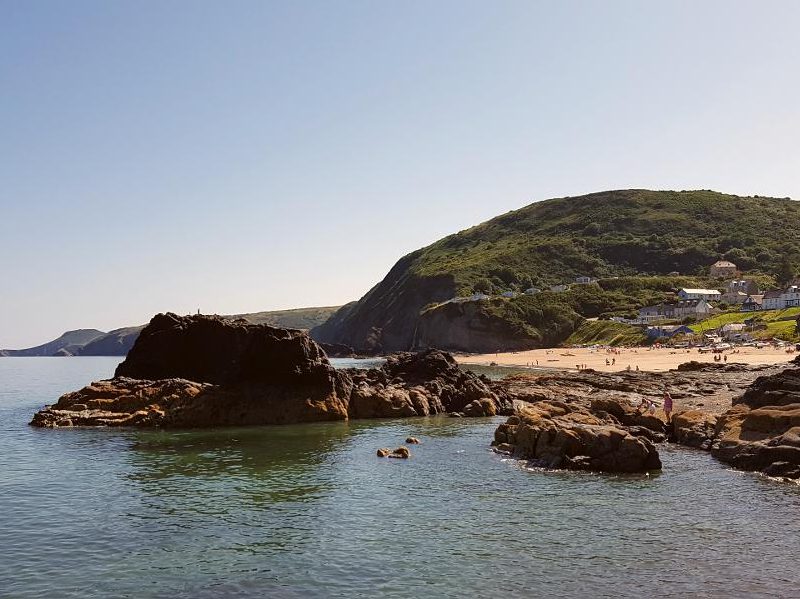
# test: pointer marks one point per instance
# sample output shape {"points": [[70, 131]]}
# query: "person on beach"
{"points": [[668, 406]]}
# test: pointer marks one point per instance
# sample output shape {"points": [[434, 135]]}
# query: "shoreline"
{"points": [[647, 359]]}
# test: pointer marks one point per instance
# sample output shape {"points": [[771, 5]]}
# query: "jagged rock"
{"points": [[413, 441], [384, 452], [211, 349], [420, 384], [555, 434]]}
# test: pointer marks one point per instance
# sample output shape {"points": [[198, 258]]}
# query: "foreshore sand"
{"points": [[646, 358]]}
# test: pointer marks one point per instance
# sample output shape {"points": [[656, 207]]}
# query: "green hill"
{"points": [[295, 318], [607, 234]]}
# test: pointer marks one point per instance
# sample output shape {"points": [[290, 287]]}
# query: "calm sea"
{"points": [[309, 511]]}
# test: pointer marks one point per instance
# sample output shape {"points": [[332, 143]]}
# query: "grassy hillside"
{"points": [[610, 234], [605, 332], [619, 233], [780, 323], [298, 318]]}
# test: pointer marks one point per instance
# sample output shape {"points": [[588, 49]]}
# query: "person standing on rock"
{"points": [[668, 406]]}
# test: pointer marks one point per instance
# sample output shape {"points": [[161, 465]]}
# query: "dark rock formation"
{"points": [[214, 350], [554, 434], [208, 371], [420, 384]]}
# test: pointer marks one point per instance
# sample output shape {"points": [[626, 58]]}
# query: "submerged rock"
{"points": [[401, 452]]}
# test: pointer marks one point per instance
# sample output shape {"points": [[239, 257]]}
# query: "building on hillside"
{"points": [[657, 312], [692, 307], [668, 331], [676, 310], [478, 296], [559, 288], [532, 291], [734, 332], [746, 286], [722, 268], [585, 280], [693, 294], [752, 303], [791, 296], [734, 297], [772, 300], [510, 294]]}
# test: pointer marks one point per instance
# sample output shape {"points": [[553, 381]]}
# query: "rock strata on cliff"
{"points": [[208, 371]]}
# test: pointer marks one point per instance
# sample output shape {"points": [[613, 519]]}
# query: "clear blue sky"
{"points": [[242, 156]]}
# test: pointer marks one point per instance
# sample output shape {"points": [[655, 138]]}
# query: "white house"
{"points": [[559, 288], [532, 291], [510, 294], [772, 300], [694, 294], [584, 280], [791, 296], [692, 307], [476, 297]]}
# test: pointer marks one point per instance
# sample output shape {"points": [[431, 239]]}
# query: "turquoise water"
{"points": [[309, 511]]}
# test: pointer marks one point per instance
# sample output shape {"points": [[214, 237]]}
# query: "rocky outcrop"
{"points": [[207, 371], [598, 421], [694, 428], [421, 384], [553, 434], [761, 432], [214, 350]]}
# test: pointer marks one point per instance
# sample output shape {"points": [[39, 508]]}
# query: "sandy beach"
{"points": [[646, 358]]}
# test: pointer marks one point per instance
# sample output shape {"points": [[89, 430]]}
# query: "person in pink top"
{"points": [[668, 406]]}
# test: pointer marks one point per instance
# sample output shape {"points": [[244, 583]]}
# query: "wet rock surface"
{"points": [[196, 371]]}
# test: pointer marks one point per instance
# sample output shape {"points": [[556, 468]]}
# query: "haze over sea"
{"points": [[309, 511]]}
